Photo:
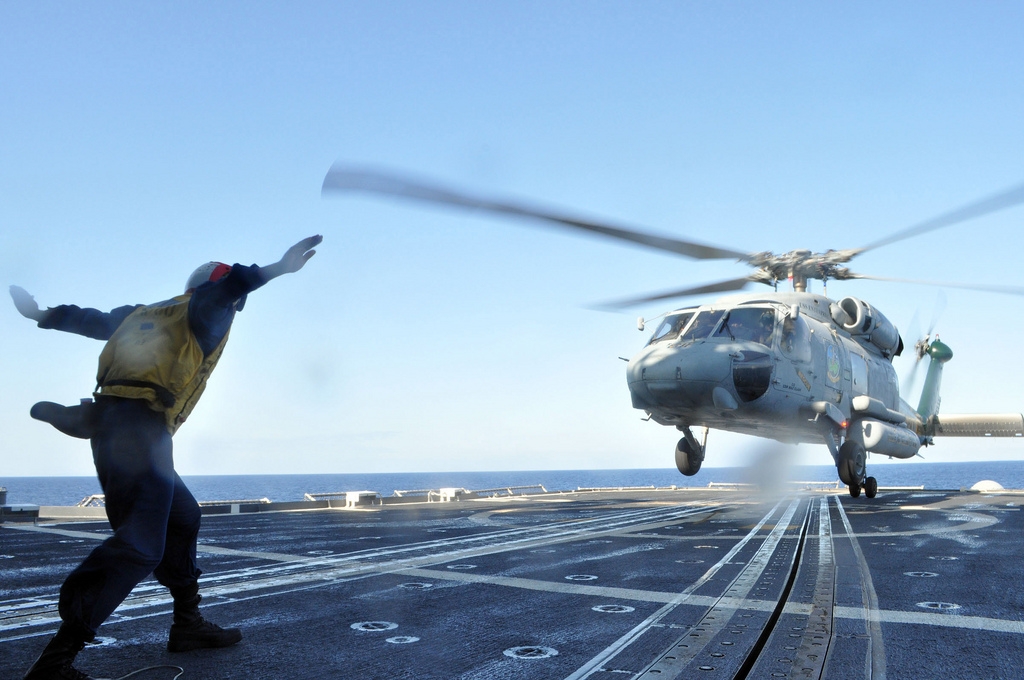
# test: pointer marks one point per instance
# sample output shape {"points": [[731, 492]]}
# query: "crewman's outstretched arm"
{"points": [[294, 258], [213, 305], [91, 323]]}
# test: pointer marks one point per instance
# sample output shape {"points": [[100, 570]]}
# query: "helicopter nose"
{"points": [[677, 376]]}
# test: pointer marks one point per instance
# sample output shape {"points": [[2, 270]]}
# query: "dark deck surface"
{"points": [[636, 583]]}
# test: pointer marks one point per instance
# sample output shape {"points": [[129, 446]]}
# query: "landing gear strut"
{"points": [[852, 468], [689, 453]]}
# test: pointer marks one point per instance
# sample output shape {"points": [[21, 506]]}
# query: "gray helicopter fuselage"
{"points": [[795, 367], [774, 365]]}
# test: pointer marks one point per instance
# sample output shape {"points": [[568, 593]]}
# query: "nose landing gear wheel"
{"points": [[855, 490]]}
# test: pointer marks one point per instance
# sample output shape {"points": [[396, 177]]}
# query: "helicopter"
{"points": [[793, 366]]}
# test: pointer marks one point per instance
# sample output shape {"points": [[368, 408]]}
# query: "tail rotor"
{"points": [[924, 342]]}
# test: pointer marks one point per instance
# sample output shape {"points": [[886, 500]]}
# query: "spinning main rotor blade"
{"points": [[1008, 290], [1004, 199], [340, 178], [719, 287]]}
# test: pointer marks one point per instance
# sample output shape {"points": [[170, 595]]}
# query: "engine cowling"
{"points": [[861, 319]]}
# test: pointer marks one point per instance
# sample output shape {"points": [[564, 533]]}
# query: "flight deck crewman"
{"points": [[152, 372]]}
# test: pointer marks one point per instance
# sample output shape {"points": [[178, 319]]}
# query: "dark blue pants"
{"points": [[154, 516]]}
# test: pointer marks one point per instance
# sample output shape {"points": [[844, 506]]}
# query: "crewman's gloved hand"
{"points": [[294, 259], [26, 304], [297, 256]]}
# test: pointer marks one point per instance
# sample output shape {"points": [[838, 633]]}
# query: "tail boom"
{"points": [[976, 425]]}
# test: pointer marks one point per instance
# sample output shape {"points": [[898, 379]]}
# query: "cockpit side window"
{"points": [[670, 327], [795, 340], [701, 326], [752, 324]]}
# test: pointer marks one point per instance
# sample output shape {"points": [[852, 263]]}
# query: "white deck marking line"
{"points": [[325, 570], [158, 598], [557, 532], [933, 619], [149, 596], [659, 596], [209, 549], [596, 663], [975, 520], [569, 588], [563, 532], [620, 519], [876, 664], [43, 529]]}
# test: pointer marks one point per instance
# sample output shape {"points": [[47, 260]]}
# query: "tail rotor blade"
{"points": [[921, 344], [940, 307], [911, 381]]}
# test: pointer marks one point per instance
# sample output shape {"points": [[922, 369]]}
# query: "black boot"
{"points": [[55, 661], [190, 630], [74, 421]]}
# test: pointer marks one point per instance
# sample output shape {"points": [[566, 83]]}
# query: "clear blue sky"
{"points": [[138, 140]]}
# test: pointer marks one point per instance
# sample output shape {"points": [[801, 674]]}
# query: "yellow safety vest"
{"points": [[153, 355]]}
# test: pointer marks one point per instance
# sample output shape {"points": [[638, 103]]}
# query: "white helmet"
{"points": [[211, 271]]}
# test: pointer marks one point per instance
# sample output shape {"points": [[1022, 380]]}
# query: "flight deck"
{"points": [[650, 583]]}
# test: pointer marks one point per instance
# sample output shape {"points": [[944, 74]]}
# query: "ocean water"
{"points": [[71, 490]]}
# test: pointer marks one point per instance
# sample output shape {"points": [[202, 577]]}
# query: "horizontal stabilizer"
{"points": [[980, 425]]}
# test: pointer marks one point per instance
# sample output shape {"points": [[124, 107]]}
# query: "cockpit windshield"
{"points": [[753, 324], [701, 326], [670, 327]]}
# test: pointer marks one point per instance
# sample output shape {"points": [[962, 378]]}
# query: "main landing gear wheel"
{"points": [[851, 464], [688, 460], [870, 487]]}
